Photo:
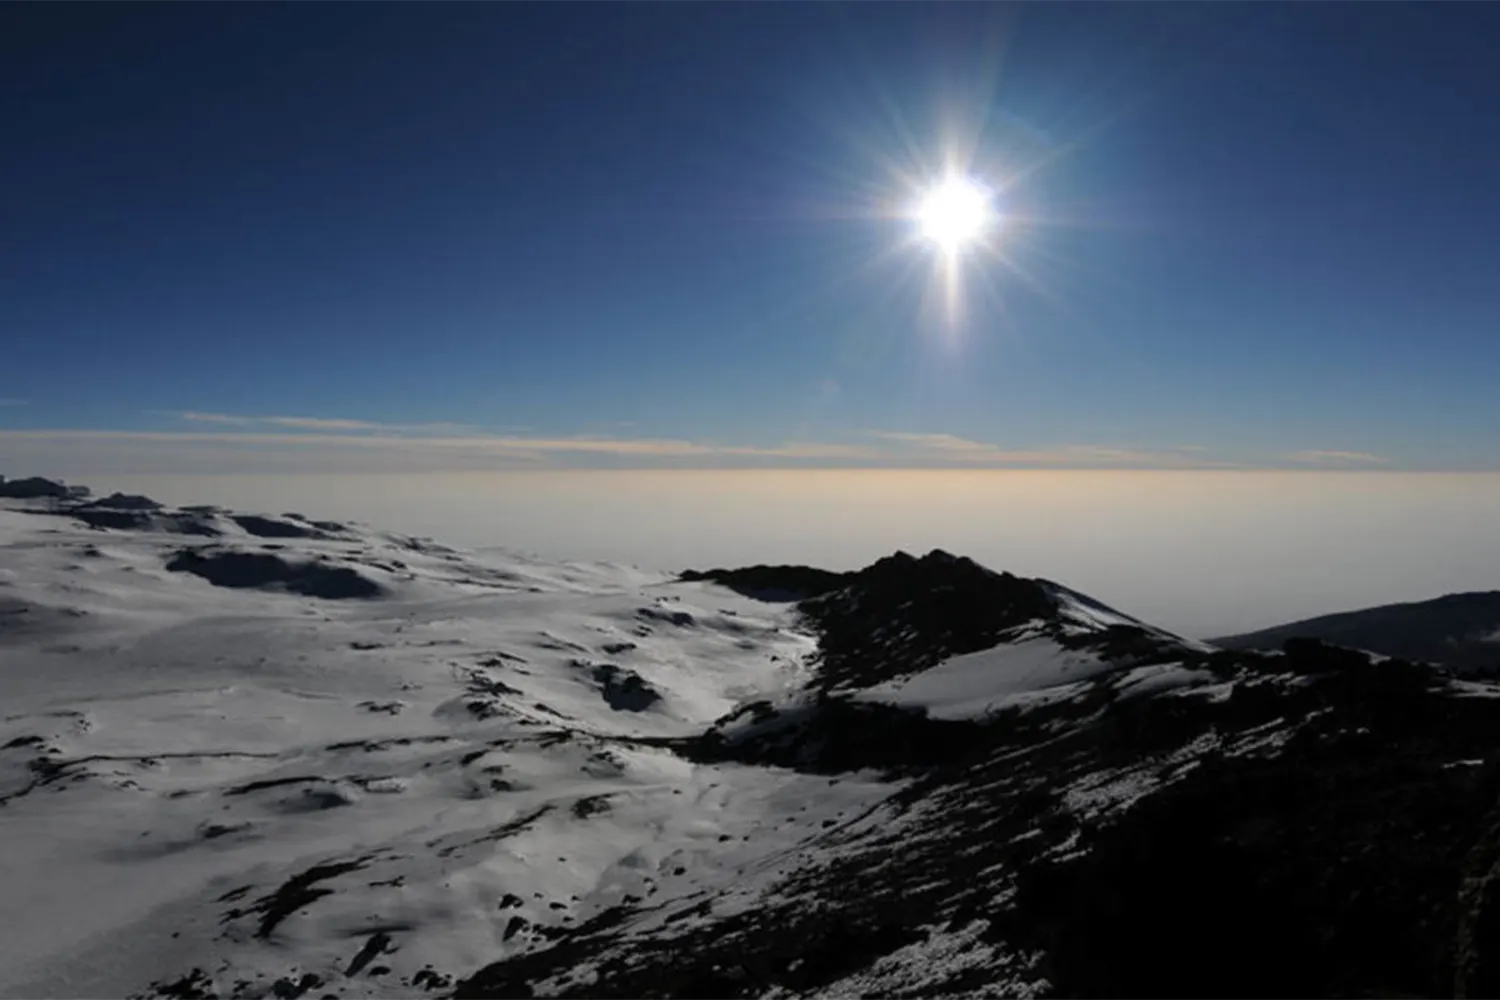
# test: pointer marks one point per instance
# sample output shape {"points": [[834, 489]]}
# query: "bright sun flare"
{"points": [[954, 213]]}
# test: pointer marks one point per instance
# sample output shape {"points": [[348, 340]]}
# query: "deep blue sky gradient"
{"points": [[1259, 229]]}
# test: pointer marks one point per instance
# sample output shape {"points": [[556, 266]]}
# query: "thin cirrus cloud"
{"points": [[499, 446], [895, 447], [969, 452], [1316, 456], [318, 423], [351, 443]]}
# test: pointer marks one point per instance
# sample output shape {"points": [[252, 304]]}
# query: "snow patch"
{"points": [[976, 684]]}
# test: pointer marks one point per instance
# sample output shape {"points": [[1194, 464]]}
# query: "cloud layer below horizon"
{"points": [[1201, 551]]}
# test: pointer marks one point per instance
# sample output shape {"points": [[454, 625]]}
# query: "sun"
{"points": [[954, 214]]}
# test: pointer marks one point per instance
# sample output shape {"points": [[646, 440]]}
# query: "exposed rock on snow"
{"points": [[176, 522], [270, 527], [126, 501], [624, 689], [772, 583], [34, 488], [230, 568]]}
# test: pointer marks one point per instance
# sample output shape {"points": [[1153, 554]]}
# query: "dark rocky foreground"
{"points": [[1304, 824]]}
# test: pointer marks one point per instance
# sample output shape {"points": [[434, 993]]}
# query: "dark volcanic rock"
{"points": [[294, 894], [266, 571], [116, 520], [174, 523], [625, 690], [195, 985], [374, 947], [125, 501], [34, 488], [833, 734], [902, 615], [269, 527], [670, 616], [772, 583], [1460, 631]]}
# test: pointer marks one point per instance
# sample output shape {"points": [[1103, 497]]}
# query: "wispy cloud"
{"points": [[1325, 457], [505, 446], [213, 418], [969, 452], [11, 401], [226, 440], [369, 433], [894, 448], [319, 423]]}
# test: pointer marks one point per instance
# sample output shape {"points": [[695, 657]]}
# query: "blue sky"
{"points": [[493, 235]]}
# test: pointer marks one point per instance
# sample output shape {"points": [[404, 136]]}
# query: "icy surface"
{"points": [[248, 780], [971, 685]]}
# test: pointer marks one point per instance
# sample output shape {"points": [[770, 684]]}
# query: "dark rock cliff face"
{"points": [[1302, 824]]}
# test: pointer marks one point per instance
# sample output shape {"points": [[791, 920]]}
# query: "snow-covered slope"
{"points": [[183, 762], [253, 755]]}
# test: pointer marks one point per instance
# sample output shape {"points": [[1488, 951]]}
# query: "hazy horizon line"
{"points": [[337, 444]]}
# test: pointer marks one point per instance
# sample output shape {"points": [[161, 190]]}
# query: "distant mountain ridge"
{"points": [[1459, 631]]}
